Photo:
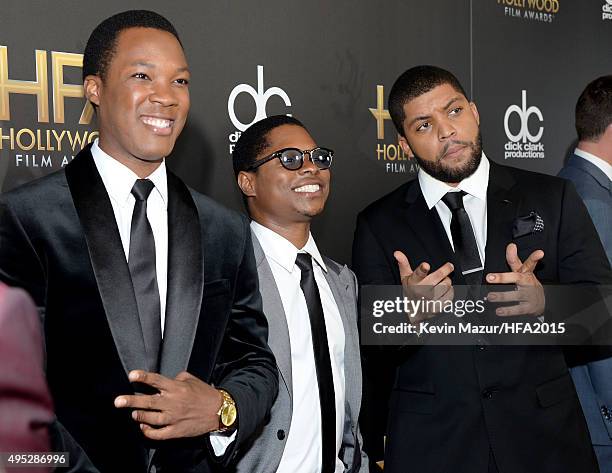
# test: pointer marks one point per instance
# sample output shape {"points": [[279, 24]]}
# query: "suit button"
{"points": [[487, 394], [280, 434]]}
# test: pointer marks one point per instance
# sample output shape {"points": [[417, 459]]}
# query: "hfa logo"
{"points": [[523, 144], [31, 143], [607, 10], [260, 97], [389, 153], [40, 87], [535, 10]]}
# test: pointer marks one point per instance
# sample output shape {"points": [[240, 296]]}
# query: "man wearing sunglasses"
{"points": [[310, 303]]}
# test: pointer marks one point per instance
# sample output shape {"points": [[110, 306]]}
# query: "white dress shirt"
{"points": [[600, 163], [475, 201], [118, 181], [303, 446]]}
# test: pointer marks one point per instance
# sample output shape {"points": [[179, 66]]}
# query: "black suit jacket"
{"points": [[59, 240], [449, 406]]}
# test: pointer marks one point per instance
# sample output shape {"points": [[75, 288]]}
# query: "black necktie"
{"points": [[320, 346], [464, 240], [141, 261]]}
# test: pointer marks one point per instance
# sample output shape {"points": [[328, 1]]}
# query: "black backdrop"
{"points": [[326, 63]]}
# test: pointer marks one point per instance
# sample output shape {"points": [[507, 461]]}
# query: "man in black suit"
{"points": [[145, 285], [478, 408]]}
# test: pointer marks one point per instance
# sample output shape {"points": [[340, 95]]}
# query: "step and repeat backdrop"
{"points": [[330, 64]]}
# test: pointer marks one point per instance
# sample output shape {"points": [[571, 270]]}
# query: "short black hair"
{"points": [[414, 82], [594, 109], [102, 42], [254, 140]]}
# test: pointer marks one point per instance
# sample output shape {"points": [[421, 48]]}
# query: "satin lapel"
{"points": [[427, 227], [278, 338], [341, 288], [107, 259], [185, 278], [502, 205]]}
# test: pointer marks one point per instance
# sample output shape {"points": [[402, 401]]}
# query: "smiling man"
{"points": [[465, 221], [310, 303], [145, 285]]}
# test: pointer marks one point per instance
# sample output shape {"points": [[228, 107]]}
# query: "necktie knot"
{"points": [[304, 262], [454, 200], [142, 188]]}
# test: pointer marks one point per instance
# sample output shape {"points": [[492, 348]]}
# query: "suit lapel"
{"points": [[341, 288], [107, 256], [502, 205], [185, 278], [278, 339], [592, 170], [426, 226]]}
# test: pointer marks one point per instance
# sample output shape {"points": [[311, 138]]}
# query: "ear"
{"points": [[605, 142], [92, 86], [405, 146], [246, 182], [475, 112]]}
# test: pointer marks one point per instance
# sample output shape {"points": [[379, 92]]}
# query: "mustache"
{"points": [[453, 143]]}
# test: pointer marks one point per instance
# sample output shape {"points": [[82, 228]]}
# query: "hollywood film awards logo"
{"points": [[260, 97], [390, 155], [52, 136], [607, 10], [531, 10], [522, 143]]}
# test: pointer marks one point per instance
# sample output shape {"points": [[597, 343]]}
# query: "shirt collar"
{"points": [[118, 179], [476, 185], [596, 161], [281, 250]]}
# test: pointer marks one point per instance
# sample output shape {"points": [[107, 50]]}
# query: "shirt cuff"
{"points": [[221, 440]]}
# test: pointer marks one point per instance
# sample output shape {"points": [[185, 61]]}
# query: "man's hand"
{"points": [[420, 284], [529, 291], [184, 407]]}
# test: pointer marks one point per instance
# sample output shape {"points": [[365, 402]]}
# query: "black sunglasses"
{"points": [[293, 158]]}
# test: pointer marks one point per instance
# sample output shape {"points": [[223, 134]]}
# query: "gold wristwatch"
{"points": [[227, 412]]}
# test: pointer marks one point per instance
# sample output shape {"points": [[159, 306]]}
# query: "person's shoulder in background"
{"points": [[26, 408]]}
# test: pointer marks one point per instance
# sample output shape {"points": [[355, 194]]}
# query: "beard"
{"points": [[440, 171]]}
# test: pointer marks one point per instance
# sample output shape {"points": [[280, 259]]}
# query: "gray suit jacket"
{"points": [[266, 450], [596, 191], [594, 380]]}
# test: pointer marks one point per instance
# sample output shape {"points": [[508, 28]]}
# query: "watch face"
{"points": [[228, 415]]}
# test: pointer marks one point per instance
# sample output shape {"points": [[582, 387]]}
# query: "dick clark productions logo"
{"points": [[260, 97], [523, 144], [606, 13]]}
